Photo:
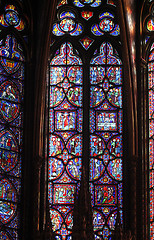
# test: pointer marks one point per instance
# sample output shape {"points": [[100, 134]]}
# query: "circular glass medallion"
{"points": [[67, 24], [11, 18], [106, 25]]}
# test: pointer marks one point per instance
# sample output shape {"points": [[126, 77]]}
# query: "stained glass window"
{"points": [[150, 25], [106, 137], [12, 61], [85, 85], [65, 135], [151, 139]]}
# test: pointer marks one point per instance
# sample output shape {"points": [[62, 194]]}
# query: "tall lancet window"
{"points": [[148, 50], [85, 114], [151, 137], [12, 76]]}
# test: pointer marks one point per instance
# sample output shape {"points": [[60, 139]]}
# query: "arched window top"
{"points": [[85, 113], [86, 24], [150, 20], [106, 56], [148, 49], [66, 56], [13, 27], [147, 23], [151, 141]]}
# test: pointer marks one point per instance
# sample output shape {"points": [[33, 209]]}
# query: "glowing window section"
{"points": [[61, 3], [11, 134], [67, 24], [151, 139], [82, 3], [106, 25], [11, 18], [150, 25], [111, 2], [104, 157], [65, 136], [87, 15], [106, 148]]}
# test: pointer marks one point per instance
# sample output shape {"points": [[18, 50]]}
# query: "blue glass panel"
{"points": [[151, 139], [106, 143], [65, 142], [11, 130]]}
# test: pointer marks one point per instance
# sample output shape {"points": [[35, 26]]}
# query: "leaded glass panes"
{"points": [[85, 63], [11, 17], [67, 24], [106, 25], [106, 149], [65, 136], [151, 140], [12, 64], [11, 124], [82, 3]]}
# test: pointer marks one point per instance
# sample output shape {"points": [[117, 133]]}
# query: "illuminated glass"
{"points": [[12, 77], [67, 24], [151, 140], [87, 14], [75, 69], [65, 136], [106, 137], [106, 25], [86, 42], [150, 25], [11, 134], [11, 18], [82, 3]]}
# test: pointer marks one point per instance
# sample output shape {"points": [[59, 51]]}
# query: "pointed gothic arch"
{"points": [[131, 153], [14, 25], [147, 38]]}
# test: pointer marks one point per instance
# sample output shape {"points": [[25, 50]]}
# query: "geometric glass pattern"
{"points": [[106, 25], [11, 133], [106, 151], [151, 140], [65, 137], [86, 42], [11, 18], [85, 88], [86, 14], [91, 3], [67, 24]]}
